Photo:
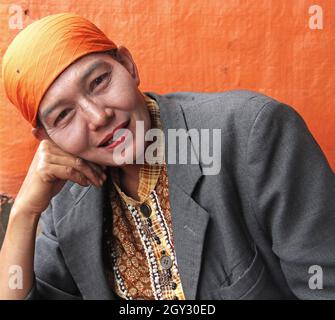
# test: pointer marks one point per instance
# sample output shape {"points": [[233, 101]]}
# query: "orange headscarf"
{"points": [[41, 52]]}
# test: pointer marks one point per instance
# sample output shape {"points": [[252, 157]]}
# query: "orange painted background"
{"points": [[269, 46]]}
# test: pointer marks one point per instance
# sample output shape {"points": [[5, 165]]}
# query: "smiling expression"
{"points": [[89, 100]]}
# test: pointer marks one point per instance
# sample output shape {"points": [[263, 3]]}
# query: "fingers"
{"points": [[97, 168], [49, 147], [51, 153], [92, 175], [55, 171]]}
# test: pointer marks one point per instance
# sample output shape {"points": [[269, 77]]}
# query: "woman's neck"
{"points": [[129, 180]]}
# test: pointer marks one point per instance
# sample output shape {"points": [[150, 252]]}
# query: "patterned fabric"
{"points": [[139, 240]]}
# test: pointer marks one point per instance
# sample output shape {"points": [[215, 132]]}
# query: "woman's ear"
{"points": [[39, 133], [126, 59]]}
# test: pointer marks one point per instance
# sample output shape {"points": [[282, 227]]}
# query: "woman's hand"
{"points": [[50, 169]]}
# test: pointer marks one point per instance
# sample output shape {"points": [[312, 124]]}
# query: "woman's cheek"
{"points": [[73, 143]]}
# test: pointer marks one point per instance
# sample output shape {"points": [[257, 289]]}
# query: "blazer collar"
{"points": [[80, 231], [172, 117]]}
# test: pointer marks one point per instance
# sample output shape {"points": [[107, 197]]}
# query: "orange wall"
{"points": [[198, 45]]}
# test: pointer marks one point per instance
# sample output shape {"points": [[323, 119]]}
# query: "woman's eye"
{"points": [[99, 80], [62, 115]]}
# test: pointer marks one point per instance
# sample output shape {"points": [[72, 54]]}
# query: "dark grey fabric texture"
{"points": [[250, 232]]}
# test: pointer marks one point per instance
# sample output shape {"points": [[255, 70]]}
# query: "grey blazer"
{"points": [[254, 231]]}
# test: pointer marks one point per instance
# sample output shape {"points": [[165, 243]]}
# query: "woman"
{"points": [[115, 226]]}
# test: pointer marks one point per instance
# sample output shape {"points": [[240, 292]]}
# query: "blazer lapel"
{"points": [[189, 227], [189, 219], [80, 238]]}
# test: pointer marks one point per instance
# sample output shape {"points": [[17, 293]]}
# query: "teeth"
{"points": [[117, 135]]}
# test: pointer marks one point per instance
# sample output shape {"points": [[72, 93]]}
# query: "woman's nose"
{"points": [[97, 115]]}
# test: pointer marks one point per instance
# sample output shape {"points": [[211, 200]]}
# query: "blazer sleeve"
{"points": [[292, 190], [52, 279]]}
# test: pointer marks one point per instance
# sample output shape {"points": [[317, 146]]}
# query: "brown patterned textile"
{"points": [[141, 261]]}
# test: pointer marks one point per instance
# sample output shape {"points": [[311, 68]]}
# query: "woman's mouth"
{"points": [[117, 137]]}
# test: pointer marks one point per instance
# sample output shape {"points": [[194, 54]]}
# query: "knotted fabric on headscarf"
{"points": [[41, 52]]}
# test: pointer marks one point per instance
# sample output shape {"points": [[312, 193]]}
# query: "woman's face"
{"points": [[92, 97]]}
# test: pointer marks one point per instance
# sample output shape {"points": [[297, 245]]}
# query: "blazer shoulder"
{"points": [[224, 110], [194, 98]]}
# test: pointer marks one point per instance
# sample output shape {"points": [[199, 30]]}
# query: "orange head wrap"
{"points": [[41, 52]]}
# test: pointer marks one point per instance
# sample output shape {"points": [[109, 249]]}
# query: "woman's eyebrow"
{"points": [[91, 68], [86, 74]]}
